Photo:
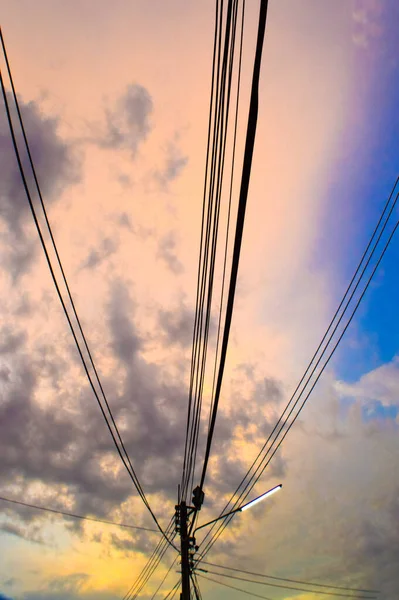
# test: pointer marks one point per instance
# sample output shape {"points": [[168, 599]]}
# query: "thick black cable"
{"points": [[288, 587], [74, 516], [224, 524], [130, 470], [246, 172], [300, 582]]}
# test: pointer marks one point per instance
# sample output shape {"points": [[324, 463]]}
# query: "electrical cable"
{"points": [[209, 240], [195, 586], [233, 587], [229, 206], [287, 587], [211, 225], [226, 522], [300, 582], [246, 172], [262, 465], [151, 565], [173, 591], [74, 516], [195, 331], [141, 577], [125, 458], [216, 191], [163, 580], [227, 226]]}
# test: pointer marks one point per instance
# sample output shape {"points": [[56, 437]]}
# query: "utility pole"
{"points": [[184, 546], [187, 541]]}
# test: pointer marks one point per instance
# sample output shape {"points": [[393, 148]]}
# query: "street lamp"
{"points": [[245, 506]]}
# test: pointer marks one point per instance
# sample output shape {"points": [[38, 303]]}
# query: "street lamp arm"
{"points": [[218, 519], [243, 507]]}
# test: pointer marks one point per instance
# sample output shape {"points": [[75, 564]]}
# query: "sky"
{"points": [[115, 100]]}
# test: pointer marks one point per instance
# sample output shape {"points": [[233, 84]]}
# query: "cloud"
{"points": [[381, 384], [125, 340], [177, 326], [10, 340], [124, 180], [97, 256], [56, 167], [128, 124], [367, 22], [174, 164], [69, 583], [167, 253], [64, 443], [23, 532]]}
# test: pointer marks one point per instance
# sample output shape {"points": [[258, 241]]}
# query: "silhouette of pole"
{"points": [[184, 546]]}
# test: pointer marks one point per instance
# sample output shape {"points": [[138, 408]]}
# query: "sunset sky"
{"points": [[115, 100]]}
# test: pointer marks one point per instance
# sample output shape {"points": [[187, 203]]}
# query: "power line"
{"points": [[217, 130], [301, 582], [233, 587], [195, 586], [218, 193], [150, 566], [246, 172], [124, 456], [163, 580], [74, 516], [197, 308], [262, 466], [173, 591], [287, 587]]}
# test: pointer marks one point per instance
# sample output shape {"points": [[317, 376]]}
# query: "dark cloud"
{"points": [[10, 340], [125, 340], [98, 256], [269, 390], [66, 442], [69, 583], [125, 180], [128, 124], [67, 595], [56, 167], [125, 221], [177, 326], [167, 253], [378, 547], [31, 534], [175, 162]]}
